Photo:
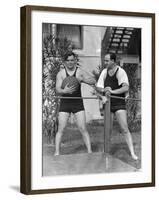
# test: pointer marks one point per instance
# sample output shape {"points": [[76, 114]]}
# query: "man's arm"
{"points": [[123, 81], [99, 89], [59, 80], [100, 83], [123, 89], [86, 78]]}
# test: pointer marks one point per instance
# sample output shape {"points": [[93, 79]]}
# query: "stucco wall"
{"points": [[90, 58]]}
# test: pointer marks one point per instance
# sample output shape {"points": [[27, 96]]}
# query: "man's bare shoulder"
{"points": [[61, 73], [79, 74], [79, 70]]}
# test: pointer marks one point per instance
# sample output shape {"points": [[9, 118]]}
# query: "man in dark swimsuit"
{"points": [[72, 105], [114, 80], [68, 106]]}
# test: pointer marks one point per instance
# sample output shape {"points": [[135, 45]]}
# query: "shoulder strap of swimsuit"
{"points": [[116, 71], [75, 72], [66, 72]]}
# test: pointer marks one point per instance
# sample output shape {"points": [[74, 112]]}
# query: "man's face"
{"points": [[70, 62], [108, 62]]}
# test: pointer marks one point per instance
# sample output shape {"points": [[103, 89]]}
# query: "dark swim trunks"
{"points": [[117, 107], [71, 106]]}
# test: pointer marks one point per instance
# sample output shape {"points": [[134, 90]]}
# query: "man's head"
{"points": [[109, 60], [70, 60]]}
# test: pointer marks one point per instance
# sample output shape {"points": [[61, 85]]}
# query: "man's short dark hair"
{"points": [[68, 55], [113, 56]]}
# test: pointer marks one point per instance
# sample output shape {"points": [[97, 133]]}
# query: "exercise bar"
{"points": [[61, 97], [126, 98], [111, 96]]}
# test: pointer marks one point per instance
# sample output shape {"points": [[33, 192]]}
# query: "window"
{"points": [[72, 33]]}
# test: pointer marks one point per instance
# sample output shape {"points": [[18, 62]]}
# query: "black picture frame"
{"points": [[26, 95]]}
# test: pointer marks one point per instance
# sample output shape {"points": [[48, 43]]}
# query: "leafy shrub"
{"points": [[53, 53], [133, 106]]}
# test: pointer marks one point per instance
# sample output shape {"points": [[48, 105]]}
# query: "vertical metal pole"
{"points": [[107, 125]]}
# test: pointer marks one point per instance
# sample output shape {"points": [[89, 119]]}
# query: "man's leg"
{"points": [[62, 122], [122, 120], [81, 123]]}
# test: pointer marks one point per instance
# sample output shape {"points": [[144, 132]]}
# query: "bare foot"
{"points": [[56, 153], [134, 157]]}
